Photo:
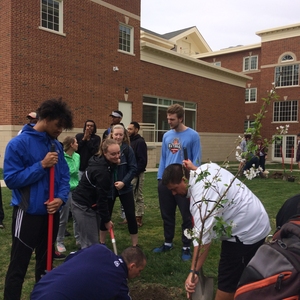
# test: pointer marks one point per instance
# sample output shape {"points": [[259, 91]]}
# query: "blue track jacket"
{"points": [[25, 176]]}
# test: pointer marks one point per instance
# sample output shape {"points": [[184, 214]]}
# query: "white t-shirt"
{"points": [[242, 209]]}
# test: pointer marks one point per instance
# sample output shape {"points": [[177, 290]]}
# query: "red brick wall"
{"points": [[5, 61], [79, 68]]}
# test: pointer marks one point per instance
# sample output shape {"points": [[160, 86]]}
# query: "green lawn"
{"points": [[165, 269]]}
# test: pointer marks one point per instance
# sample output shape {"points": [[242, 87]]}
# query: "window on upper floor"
{"points": [[285, 111], [52, 15], [251, 95], [287, 75], [126, 38], [250, 63], [155, 112]]}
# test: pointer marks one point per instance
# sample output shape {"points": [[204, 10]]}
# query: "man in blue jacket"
{"points": [[92, 273], [27, 162]]}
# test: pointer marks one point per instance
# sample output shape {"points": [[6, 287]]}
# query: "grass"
{"points": [[165, 269]]}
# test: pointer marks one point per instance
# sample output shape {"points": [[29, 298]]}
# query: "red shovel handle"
{"points": [[112, 236], [50, 216]]}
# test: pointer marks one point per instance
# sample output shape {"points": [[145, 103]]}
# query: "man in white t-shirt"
{"points": [[240, 209]]}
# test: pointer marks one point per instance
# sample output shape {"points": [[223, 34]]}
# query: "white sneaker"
{"points": [[61, 247]]}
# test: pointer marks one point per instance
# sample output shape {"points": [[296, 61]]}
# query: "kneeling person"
{"points": [[92, 273]]}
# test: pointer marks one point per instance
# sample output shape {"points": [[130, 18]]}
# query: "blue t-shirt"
{"points": [[172, 148]]}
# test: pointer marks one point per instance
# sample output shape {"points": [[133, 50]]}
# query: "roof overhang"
{"points": [[170, 59]]}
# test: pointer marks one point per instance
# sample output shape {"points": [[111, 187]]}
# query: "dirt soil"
{"points": [[142, 291]]}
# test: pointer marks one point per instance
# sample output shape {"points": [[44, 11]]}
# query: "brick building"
{"points": [[94, 55], [275, 59]]}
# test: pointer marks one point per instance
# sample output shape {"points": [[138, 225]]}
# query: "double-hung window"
{"points": [[126, 38], [250, 63], [52, 15], [251, 95]]}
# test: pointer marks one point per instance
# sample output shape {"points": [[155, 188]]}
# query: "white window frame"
{"points": [[287, 75], [130, 39], [250, 63], [285, 111], [45, 24], [251, 95]]}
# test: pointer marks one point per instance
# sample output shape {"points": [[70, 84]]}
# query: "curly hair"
{"points": [[56, 109]]}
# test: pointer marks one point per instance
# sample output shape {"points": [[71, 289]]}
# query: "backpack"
{"points": [[274, 271]]}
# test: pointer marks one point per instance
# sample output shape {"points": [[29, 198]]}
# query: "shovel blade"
{"points": [[204, 288]]}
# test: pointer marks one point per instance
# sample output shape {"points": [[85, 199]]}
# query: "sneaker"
{"points": [[163, 248], [61, 247], [1, 225], [58, 256], [186, 254]]}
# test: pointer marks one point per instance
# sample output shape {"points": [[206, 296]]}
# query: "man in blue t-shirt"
{"points": [[173, 144]]}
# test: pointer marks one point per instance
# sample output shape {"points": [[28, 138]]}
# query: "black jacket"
{"points": [[126, 170], [95, 186], [86, 149], [139, 147]]}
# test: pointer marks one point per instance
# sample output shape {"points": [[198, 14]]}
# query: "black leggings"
{"points": [[127, 201]]}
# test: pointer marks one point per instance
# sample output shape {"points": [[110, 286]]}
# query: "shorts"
{"points": [[234, 258]]}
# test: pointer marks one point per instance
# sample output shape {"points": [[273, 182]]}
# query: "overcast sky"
{"points": [[222, 23]]}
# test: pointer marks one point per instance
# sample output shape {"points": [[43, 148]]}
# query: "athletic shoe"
{"points": [[163, 248], [58, 256], [186, 254], [61, 247], [1, 225]]}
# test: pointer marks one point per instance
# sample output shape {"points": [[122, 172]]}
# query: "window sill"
{"points": [[125, 52], [52, 31]]}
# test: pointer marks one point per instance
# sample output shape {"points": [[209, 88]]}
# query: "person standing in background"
{"points": [[116, 118], [73, 160], [139, 147], [173, 144], [88, 144]]}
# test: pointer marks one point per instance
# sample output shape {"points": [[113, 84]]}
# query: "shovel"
{"points": [[204, 288], [113, 241], [50, 216]]}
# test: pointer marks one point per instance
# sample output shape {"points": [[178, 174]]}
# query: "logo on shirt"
{"points": [[175, 146]]}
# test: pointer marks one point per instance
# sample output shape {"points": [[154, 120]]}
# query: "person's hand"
{"points": [[119, 185], [54, 205], [190, 285], [189, 165], [50, 160], [109, 225], [87, 135]]}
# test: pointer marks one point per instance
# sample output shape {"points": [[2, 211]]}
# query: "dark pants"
{"points": [[29, 233], [168, 203], [127, 201]]}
